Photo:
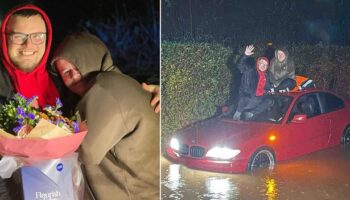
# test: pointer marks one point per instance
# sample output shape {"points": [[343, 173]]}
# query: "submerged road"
{"points": [[323, 175]]}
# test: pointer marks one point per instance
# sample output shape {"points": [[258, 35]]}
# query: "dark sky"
{"points": [[309, 21]]}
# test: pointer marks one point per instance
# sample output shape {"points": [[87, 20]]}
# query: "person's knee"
{"points": [[292, 83], [287, 84]]}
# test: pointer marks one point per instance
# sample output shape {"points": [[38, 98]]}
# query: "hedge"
{"points": [[195, 77], [194, 80]]}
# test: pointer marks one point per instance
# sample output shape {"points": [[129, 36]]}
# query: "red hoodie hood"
{"points": [[37, 82], [262, 58]]}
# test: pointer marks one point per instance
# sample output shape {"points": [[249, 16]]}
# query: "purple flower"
{"points": [[18, 96], [58, 103], [31, 99], [20, 111], [76, 127], [17, 128], [31, 116], [58, 121], [20, 120]]}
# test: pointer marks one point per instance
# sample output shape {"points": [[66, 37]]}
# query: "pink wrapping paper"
{"points": [[41, 149]]}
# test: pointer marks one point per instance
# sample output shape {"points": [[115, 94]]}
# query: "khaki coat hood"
{"points": [[87, 52]]}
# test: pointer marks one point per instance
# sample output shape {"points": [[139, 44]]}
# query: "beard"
{"points": [[26, 66]]}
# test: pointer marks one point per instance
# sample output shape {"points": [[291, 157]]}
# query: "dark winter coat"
{"points": [[249, 80]]}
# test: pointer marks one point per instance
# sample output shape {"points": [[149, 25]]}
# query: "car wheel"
{"points": [[345, 141], [262, 158]]}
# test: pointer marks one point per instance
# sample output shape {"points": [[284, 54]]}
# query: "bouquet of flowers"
{"points": [[19, 116], [27, 132], [42, 143]]}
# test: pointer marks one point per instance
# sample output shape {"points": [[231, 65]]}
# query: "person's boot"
{"points": [[237, 115], [248, 115]]}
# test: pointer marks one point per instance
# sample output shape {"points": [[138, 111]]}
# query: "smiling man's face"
{"points": [[25, 56]]}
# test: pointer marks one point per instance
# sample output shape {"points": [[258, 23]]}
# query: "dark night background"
{"points": [[130, 29], [282, 21]]}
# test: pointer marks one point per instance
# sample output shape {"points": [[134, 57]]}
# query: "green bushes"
{"points": [[327, 65], [196, 78]]}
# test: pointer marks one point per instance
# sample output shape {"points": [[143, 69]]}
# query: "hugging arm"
{"points": [[107, 125], [155, 90]]}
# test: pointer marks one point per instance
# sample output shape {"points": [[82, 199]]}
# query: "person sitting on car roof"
{"points": [[254, 83], [282, 71]]}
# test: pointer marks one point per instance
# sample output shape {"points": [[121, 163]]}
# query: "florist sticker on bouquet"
{"points": [[27, 131]]}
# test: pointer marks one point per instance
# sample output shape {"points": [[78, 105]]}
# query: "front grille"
{"points": [[197, 151], [183, 149]]}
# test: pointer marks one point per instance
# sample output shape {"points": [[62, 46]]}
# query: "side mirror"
{"points": [[299, 118]]}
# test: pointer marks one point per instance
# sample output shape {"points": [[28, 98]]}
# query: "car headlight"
{"points": [[222, 153], [174, 144]]}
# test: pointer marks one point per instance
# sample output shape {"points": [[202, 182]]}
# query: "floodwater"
{"points": [[323, 175]]}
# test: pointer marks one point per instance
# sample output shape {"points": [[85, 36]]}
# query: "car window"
{"points": [[276, 108], [307, 105], [332, 102]]}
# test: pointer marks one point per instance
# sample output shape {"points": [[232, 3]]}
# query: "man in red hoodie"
{"points": [[254, 84], [26, 36]]}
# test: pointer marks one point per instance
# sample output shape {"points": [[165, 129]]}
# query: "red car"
{"points": [[294, 124]]}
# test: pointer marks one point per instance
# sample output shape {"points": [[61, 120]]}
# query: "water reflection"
{"points": [[321, 175], [220, 188], [173, 181], [174, 177], [271, 188]]}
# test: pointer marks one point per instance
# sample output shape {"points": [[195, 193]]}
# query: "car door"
{"points": [[333, 109], [311, 134]]}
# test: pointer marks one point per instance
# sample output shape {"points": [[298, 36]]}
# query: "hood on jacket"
{"points": [[285, 51], [36, 82], [262, 58], [5, 57], [87, 52]]}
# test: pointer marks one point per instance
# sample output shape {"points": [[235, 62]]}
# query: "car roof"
{"points": [[304, 91]]}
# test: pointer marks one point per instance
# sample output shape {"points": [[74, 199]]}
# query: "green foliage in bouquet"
{"points": [[19, 112], [16, 112]]}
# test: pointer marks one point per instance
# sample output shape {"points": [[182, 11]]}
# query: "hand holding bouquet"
{"points": [[41, 143]]}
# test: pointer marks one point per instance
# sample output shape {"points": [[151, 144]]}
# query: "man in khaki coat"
{"points": [[121, 149]]}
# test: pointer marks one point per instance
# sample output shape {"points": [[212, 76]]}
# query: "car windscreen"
{"points": [[272, 109]]}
